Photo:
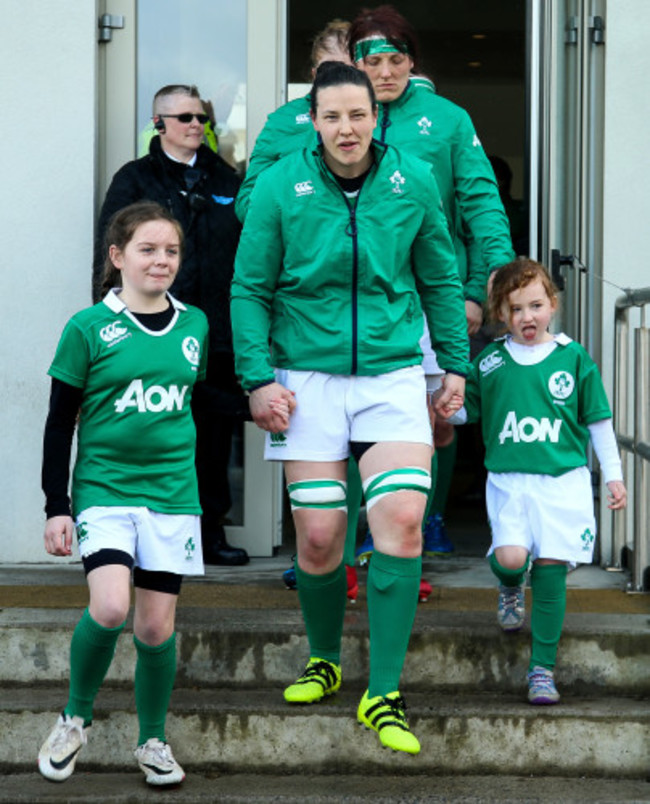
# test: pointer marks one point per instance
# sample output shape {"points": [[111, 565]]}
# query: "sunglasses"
{"points": [[187, 117]]}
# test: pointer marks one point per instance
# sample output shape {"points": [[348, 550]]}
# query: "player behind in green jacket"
{"points": [[540, 399], [126, 368], [343, 248], [289, 127]]}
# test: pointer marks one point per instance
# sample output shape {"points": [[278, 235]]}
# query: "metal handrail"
{"points": [[632, 391]]}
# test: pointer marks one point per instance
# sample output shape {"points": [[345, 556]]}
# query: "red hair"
{"points": [[388, 22]]}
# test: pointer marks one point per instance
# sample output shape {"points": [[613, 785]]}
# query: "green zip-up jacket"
{"points": [[423, 124], [435, 129], [339, 287]]}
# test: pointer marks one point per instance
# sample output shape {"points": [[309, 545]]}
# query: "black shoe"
{"points": [[216, 550]]}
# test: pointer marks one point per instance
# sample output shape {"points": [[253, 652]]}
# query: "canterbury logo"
{"points": [[112, 332], [303, 188], [491, 362], [301, 119], [278, 439]]}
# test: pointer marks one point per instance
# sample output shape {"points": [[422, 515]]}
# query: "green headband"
{"points": [[376, 44]]}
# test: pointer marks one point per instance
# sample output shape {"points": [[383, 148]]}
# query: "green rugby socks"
{"points": [[393, 585], [548, 586], [91, 652], [155, 672], [323, 599], [508, 577]]}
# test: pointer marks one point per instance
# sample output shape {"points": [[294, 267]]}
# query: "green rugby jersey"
{"points": [[136, 436], [534, 418]]}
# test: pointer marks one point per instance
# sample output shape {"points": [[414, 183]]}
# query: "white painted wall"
{"points": [[47, 163]]}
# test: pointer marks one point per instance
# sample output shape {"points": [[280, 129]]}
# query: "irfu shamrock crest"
{"points": [[190, 547], [397, 180], [425, 124], [82, 532]]}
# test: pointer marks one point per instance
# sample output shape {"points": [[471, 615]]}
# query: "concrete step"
{"points": [[255, 731], [241, 639], [129, 788], [604, 654]]}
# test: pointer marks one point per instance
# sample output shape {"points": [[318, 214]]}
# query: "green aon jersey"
{"points": [[534, 418], [136, 437]]}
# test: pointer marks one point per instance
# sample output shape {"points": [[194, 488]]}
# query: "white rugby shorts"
{"points": [[334, 409], [551, 517], [157, 542]]}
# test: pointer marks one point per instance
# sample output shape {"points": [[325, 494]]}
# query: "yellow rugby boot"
{"points": [[320, 678], [386, 714]]}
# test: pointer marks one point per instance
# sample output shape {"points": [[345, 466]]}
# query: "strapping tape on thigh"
{"points": [[408, 478], [320, 493]]}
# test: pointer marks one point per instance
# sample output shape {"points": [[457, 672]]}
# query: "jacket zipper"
{"points": [[352, 231], [385, 122], [355, 281]]}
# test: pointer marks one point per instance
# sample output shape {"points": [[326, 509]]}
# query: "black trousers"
{"points": [[216, 409]]}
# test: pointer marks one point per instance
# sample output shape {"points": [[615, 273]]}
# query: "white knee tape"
{"points": [[408, 478], [324, 493]]}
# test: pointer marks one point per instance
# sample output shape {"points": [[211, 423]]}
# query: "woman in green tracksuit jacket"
{"points": [[368, 319], [341, 251]]}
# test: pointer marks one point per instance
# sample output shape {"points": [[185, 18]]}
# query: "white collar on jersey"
{"points": [[116, 305], [532, 355], [562, 339]]}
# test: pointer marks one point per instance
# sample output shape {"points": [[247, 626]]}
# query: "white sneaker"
{"points": [[157, 762], [58, 754]]}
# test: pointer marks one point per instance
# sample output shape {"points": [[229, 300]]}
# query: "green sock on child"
{"points": [[91, 652], [508, 577], [548, 587], [155, 673]]}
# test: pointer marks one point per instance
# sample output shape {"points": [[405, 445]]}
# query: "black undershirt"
{"points": [[65, 402], [352, 185]]}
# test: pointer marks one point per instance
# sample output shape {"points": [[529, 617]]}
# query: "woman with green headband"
{"points": [[289, 128], [327, 304], [383, 44]]}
